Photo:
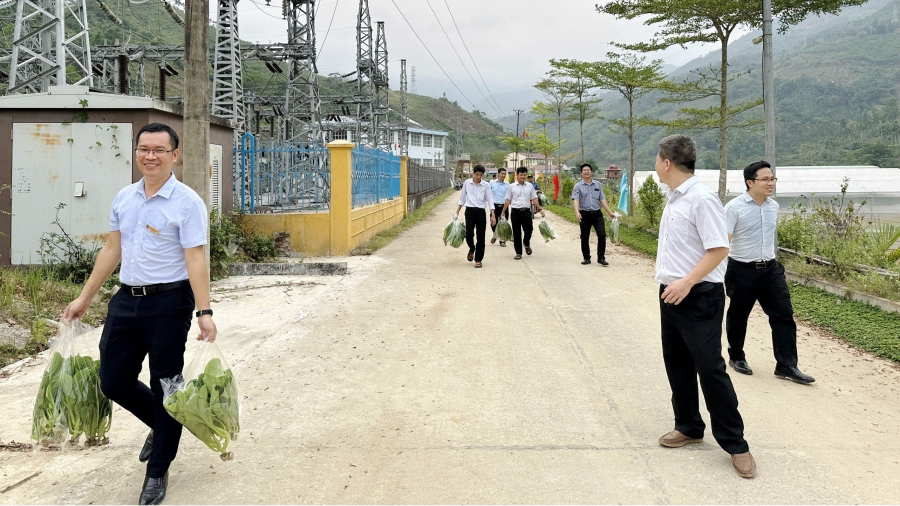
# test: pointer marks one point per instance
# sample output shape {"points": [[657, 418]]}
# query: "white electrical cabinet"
{"points": [[81, 165]]}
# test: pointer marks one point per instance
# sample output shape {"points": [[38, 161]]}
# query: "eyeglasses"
{"points": [[157, 152], [767, 180]]}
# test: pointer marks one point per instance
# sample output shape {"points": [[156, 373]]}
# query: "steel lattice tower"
{"points": [[382, 100], [365, 70], [228, 87], [50, 41], [302, 106], [403, 132]]}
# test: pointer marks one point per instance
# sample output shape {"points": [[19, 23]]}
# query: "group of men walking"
{"points": [[705, 252]]}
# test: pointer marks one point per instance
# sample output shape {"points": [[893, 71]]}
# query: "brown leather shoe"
{"points": [[676, 439], [744, 465]]}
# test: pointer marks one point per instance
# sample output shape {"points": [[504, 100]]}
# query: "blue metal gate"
{"points": [[375, 176]]}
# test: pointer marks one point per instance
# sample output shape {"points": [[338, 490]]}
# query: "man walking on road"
{"points": [[589, 197], [520, 197], [476, 197], [692, 245], [158, 230], [754, 274], [499, 187]]}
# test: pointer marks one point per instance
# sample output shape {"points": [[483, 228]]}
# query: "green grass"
{"points": [[865, 326], [384, 238], [635, 238]]}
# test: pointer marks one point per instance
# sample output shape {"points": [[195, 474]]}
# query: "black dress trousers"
{"points": [[156, 325], [476, 222], [592, 219]]}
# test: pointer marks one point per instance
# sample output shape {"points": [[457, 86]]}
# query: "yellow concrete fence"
{"points": [[339, 231]]}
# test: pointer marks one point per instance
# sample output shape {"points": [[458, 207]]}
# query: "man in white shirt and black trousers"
{"points": [[754, 274], [689, 268], [477, 198], [520, 196]]}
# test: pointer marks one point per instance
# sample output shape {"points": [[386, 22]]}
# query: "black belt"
{"points": [[758, 265], [522, 209], [140, 291]]}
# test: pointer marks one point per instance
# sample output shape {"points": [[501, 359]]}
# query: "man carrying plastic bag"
{"points": [[207, 403], [69, 401], [158, 227]]}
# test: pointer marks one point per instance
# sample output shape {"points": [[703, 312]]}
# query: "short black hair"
{"points": [[521, 170], [583, 165], [478, 168], [679, 149], [502, 169], [158, 127], [751, 170]]}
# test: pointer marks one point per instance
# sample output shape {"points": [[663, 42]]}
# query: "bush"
{"points": [[234, 239], [66, 258], [651, 200]]}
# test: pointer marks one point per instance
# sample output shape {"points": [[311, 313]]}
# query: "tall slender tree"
{"points": [[633, 77], [559, 96], [687, 21], [581, 77]]}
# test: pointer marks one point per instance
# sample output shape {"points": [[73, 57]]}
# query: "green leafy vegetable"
{"points": [[455, 233], [546, 231], [504, 230], [208, 407]]}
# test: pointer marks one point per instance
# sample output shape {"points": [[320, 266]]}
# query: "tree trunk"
{"points": [[631, 158], [723, 123], [558, 140]]}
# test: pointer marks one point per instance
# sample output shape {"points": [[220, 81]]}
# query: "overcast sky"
{"points": [[511, 41]]}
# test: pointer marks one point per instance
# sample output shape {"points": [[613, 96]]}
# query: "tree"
{"points": [[581, 77], [687, 21], [629, 75], [559, 96], [514, 143], [652, 200], [543, 145]]}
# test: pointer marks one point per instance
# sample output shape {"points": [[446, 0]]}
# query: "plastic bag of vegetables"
{"points": [[205, 399], [69, 403], [504, 230], [546, 231], [455, 233], [614, 229], [544, 201]]}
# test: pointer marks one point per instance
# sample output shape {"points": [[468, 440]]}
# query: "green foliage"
{"points": [[863, 325], [67, 258], [651, 200], [635, 238], [70, 401], [504, 230], [208, 407], [233, 239], [546, 232], [566, 185]]}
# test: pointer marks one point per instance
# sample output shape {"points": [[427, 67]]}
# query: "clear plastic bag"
{"points": [[70, 403], [504, 230], [546, 232], [455, 233], [614, 229], [205, 399]]}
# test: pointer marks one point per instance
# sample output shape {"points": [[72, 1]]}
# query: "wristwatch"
{"points": [[203, 312]]}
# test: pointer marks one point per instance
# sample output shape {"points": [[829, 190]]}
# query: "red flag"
{"points": [[524, 134], [555, 187]]}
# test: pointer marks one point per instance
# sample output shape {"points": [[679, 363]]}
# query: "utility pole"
{"points": [[516, 161], [768, 84], [196, 101]]}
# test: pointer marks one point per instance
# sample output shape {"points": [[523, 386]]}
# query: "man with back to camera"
{"points": [[499, 187], [476, 197], [754, 274], [158, 227], [520, 197], [689, 268], [589, 197]]}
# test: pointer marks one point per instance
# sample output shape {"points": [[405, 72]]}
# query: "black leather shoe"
{"points": [[586, 262], [147, 449], [741, 366], [793, 374], [154, 490], [603, 262]]}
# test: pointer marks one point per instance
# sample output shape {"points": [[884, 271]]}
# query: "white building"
{"points": [[426, 147]]}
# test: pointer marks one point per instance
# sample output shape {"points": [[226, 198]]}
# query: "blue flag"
{"points": [[623, 193]]}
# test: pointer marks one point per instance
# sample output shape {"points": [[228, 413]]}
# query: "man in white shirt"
{"points": [[520, 197], [476, 197], [754, 274], [499, 187], [689, 268]]}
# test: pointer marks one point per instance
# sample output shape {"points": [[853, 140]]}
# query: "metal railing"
{"points": [[280, 176], [422, 179], [375, 176]]}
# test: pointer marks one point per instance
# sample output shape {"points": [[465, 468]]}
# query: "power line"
{"points": [[254, 2], [460, 58], [470, 56], [432, 55], [329, 28]]}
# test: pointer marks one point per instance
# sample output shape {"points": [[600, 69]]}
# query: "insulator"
{"points": [[110, 14], [122, 60], [173, 13]]}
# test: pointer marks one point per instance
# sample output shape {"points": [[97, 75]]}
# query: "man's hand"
{"points": [[578, 215], [493, 220], [75, 309], [207, 329], [455, 216], [677, 291]]}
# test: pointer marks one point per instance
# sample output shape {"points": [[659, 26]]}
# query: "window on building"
{"points": [[415, 139], [438, 142], [426, 140]]}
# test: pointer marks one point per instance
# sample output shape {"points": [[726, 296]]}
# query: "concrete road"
{"points": [[420, 379]]}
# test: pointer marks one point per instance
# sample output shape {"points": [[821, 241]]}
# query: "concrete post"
{"points": [[404, 183], [341, 195]]}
